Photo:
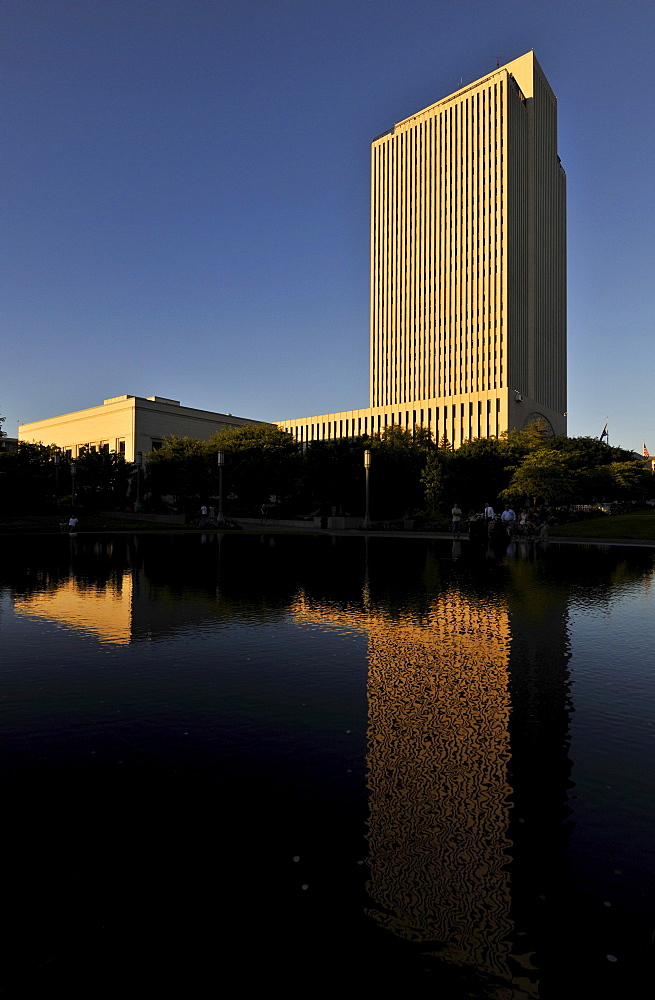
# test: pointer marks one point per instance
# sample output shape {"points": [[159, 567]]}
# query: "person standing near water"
{"points": [[490, 518], [508, 517], [457, 517]]}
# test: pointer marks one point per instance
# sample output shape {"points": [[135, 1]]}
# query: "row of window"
{"points": [[459, 422], [75, 450], [116, 445]]}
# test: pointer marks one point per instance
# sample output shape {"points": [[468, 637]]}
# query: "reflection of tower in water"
{"points": [[467, 769], [437, 773]]}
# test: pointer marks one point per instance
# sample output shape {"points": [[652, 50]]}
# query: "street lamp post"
{"points": [[73, 474], [220, 459], [367, 468]]}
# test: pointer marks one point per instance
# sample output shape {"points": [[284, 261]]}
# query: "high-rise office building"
{"points": [[468, 266], [468, 247], [468, 275]]}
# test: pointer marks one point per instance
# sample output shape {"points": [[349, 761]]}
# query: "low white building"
{"points": [[127, 425]]}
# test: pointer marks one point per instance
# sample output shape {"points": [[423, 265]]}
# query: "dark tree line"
{"points": [[38, 478], [410, 477]]}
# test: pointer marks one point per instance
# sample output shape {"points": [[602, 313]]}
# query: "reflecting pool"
{"points": [[304, 763]]}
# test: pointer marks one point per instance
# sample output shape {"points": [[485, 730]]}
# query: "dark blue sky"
{"points": [[186, 193]]}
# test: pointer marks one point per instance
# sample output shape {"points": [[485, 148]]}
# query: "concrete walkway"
{"points": [[270, 527]]}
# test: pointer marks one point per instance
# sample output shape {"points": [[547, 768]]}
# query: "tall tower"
{"points": [[468, 258]]}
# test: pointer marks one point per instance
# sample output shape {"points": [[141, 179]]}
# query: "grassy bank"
{"points": [[636, 527]]}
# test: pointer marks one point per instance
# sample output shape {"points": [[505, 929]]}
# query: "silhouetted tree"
{"points": [[260, 461], [180, 468], [27, 478], [101, 481]]}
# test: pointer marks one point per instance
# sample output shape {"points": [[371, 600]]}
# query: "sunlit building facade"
{"points": [[468, 267], [127, 425]]}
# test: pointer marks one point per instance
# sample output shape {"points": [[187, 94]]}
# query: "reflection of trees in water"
{"points": [[593, 572], [175, 577], [35, 563], [271, 568]]}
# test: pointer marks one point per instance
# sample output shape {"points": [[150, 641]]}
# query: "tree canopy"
{"points": [[410, 474]]}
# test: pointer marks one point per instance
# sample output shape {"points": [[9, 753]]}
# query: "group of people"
{"points": [[489, 516], [527, 524]]}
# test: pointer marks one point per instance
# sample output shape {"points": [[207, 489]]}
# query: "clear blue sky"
{"points": [[186, 193]]}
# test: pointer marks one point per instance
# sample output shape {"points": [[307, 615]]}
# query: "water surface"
{"points": [[284, 762]]}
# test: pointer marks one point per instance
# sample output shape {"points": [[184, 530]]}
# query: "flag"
{"points": [[604, 434], [646, 451]]}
